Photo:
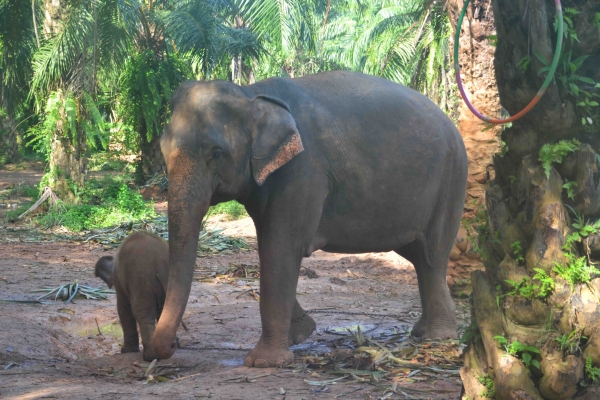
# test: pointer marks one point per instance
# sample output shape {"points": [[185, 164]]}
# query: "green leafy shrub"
{"points": [[232, 208], [105, 203]]}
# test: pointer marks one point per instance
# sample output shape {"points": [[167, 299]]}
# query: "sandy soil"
{"points": [[54, 350]]}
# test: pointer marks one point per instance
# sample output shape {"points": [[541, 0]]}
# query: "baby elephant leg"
{"points": [[131, 342]]}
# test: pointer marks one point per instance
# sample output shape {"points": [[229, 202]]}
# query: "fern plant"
{"points": [[554, 153], [64, 115], [591, 372], [576, 271]]}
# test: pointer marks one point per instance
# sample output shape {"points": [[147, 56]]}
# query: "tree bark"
{"points": [[9, 146], [67, 154], [528, 221], [151, 160], [476, 60]]}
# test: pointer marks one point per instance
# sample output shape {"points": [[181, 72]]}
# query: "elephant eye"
{"points": [[217, 153]]}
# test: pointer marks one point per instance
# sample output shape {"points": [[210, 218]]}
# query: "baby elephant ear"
{"points": [[275, 137]]}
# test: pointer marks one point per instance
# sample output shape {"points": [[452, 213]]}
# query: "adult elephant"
{"points": [[338, 161]]}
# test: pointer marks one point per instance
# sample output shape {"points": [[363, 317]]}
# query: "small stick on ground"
{"points": [[98, 326]]}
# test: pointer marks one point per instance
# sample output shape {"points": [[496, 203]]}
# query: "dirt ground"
{"points": [[55, 350]]}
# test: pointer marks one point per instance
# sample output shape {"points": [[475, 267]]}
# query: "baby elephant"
{"points": [[139, 272]]}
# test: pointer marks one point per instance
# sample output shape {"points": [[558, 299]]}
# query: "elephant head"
{"points": [[218, 145]]}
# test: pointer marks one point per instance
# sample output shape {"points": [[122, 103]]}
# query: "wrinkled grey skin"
{"points": [[139, 273], [339, 161]]}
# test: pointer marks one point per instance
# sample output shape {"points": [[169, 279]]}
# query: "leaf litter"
{"points": [[209, 241], [69, 291], [392, 361]]}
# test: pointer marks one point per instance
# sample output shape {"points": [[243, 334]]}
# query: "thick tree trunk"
{"points": [[67, 154], [476, 59], [151, 161], [529, 222], [9, 146]]}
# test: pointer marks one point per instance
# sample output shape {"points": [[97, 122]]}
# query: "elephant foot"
{"points": [[263, 356], [130, 349], [301, 328], [440, 330], [419, 329]]}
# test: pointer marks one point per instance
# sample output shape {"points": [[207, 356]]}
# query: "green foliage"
{"points": [[569, 16], [231, 208], [488, 382], [540, 286], [596, 20], [569, 344], [528, 289], [105, 203], [554, 153], [577, 270], [147, 85], [63, 116], [581, 88], [568, 186], [517, 251], [520, 350], [546, 286], [524, 63], [582, 230], [593, 373]]}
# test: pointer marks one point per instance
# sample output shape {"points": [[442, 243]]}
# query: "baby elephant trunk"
{"points": [[104, 270]]}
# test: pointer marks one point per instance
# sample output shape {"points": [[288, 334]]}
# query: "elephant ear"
{"points": [[275, 137], [104, 270]]}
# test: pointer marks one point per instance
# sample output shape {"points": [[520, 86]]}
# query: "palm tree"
{"points": [[406, 42], [287, 32], [82, 42], [17, 45], [92, 48]]}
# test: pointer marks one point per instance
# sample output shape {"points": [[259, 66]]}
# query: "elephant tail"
{"points": [[104, 270]]}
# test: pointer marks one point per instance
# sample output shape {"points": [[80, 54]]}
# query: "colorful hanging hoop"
{"points": [[540, 92]]}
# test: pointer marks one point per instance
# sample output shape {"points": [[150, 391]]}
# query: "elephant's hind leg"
{"points": [[302, 325], [438, 319]]}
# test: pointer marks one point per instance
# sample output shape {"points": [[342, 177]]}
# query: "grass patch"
{"points": [[118, 204], [233, 209], [100, 204]]}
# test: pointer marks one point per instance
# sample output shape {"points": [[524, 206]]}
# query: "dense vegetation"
{"points": [[83, 78]]}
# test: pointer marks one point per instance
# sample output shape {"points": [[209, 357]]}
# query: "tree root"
{"points": [[561, 376], [511, 379]]}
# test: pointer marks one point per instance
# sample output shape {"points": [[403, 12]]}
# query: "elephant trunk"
{"points": [[186, 211]]}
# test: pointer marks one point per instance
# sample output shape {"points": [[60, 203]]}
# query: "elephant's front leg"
{"points": [[280, 266]]}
